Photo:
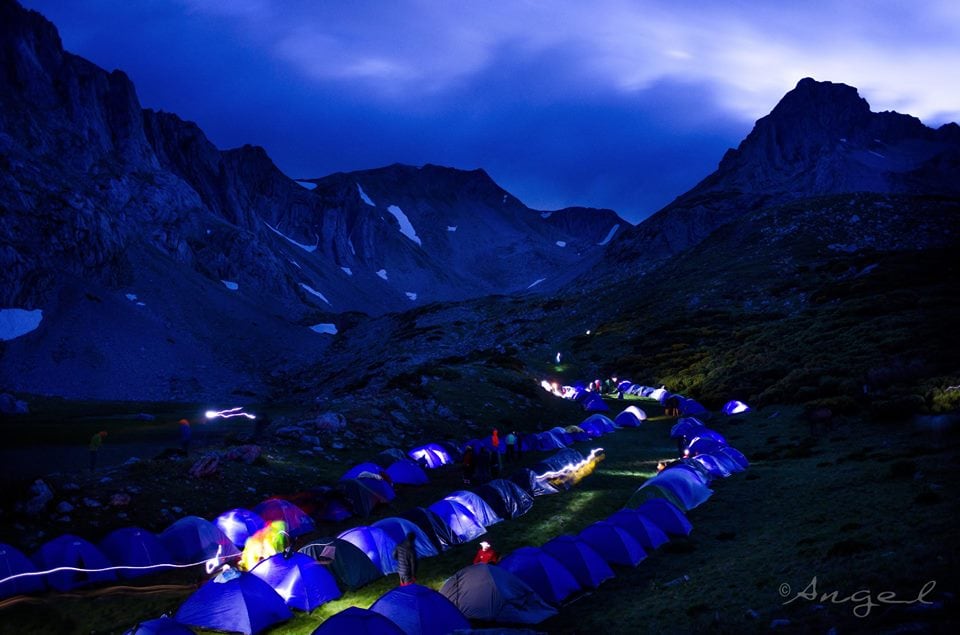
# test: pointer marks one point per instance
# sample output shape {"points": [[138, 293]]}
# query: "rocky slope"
{"points": [[821, 139], [161, 262]]}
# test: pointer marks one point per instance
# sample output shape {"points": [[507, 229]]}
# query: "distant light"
{"points": [[228, 414], [588, 331]]}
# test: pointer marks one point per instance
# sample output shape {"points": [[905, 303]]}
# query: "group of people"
{"points": [[405, 554], [483, 464]]}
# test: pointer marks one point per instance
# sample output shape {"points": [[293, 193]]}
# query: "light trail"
{"points": [[228, 414]]}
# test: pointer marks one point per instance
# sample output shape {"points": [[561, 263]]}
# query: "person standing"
{"points": [[468, 465], [497, 466], [406, 556], [96, 442], [486, 554], [185, 434], [511, 440]]}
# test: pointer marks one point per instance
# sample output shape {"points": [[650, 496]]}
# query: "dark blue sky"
{"points": [[609, 103]]}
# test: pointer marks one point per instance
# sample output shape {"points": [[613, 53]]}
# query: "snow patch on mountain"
{"points": [[306, 248], [308, 185], [132, 297], [311, 290], [546, 214], [17, 322], [230, 284], [451, 228], [347, 270], [363, 195], [406, 227], [411, 295], [329, 329], [536, 282], [613, 230], [382, 273], [561, 243]]}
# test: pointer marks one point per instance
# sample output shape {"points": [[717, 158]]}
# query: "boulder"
{"points": [[246, 453], [41, 497], [330, 421], [120, 499], [208, 465], [291, 432], [64, 507]]}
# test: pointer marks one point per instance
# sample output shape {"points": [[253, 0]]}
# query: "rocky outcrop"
{"points": [[821, 139]]}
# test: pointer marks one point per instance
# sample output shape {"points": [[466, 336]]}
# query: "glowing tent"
{"points": [[587, 566], [431, 455], [245, 604], [735, 407], [542, 572], [477, 506], [419, 610], [298, 522], [459, 519], [194, 539], [301, 581], [376, 544], [398, 528], [135, 547], [239, 524], [72, 551], [631, 417], [491, 593]]}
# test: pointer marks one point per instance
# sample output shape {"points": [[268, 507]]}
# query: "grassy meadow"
{"points": [[861, 507]]}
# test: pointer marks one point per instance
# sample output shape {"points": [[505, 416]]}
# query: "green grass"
{"points": [[846, 508]]}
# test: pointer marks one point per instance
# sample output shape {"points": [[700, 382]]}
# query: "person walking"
{"points": [[96, 442], [406, 556]]}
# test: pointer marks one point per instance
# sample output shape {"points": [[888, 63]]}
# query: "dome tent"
{"points": [[194, 539], [433, 526], [420, 610], [357, 621], [489, 592], [459, 519], [542, 572], [398, 528], [239, 524], [666, 516], [160, 626], [12, 563], [135, 547], [349, 565], [72, 551], [614, 544], [587, 566], [506, 498], [245, 604], [376, 544], [477, 506], [640, 527], [301, 581]]}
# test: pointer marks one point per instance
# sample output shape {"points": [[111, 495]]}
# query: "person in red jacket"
{"points": [[486, 554]]}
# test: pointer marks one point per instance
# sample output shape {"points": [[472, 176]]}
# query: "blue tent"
{"points": [[506, 498], [477, 506], [239, 524], [605, 423], [431, 455], [688, 427], [389, 456], [679, 485], [72, 551], [690, 407], [357, 621], [587, 566], [527, 480], [357, 470], [542, 572], [666, 516], [419, 610], [563, 435], [735, 407], [736, 455], [301, 581], [160, 626], [491, 593], [349, 565], [433, 526], [398, 528], [135, 547], [376, 543], [546, 441], [595, 403], [631, 417], [702, 445], [12, 563], [717, 467], [640, 527], [613, 543], [407, 472], [245, 604], [380, 486], [459, 519], [298, 522], [361, 497], [194, 539]]}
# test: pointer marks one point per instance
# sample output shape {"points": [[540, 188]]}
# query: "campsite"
{"points": [[726, 575]]}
